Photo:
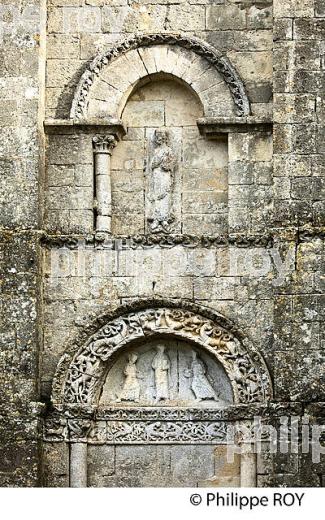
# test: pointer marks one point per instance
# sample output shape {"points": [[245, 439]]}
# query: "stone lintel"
{"points": [[214, 127], [96, 126]]}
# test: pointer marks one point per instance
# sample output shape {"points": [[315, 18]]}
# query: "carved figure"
{"points": [[161, 366], [161, 181], [131, 386], [200, 385]]}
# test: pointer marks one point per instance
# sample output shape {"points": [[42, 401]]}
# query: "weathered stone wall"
{"points": [[257, 198], [78, 31], [22, 48]]}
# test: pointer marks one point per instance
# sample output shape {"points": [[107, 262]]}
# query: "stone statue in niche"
{"points": [[161, 173], [161, 366], [200, 385], [131, 386]]}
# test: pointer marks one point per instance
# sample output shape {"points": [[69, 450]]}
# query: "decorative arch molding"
{"points": [[82, 369], [216, 62]]}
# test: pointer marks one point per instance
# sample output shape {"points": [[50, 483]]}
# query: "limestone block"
{"points": [[130, 181], [147, 57], [61, 73], [255, 147], [102, 91], [60, 175], [127, 19], [319, 8], [281, 186], [70, 198], [304, 138], [69, 149], [186, 18], [205, 224], [205, 179], [253, 66], [222, 288], [65, 3], [101, 464], [118, 74], [185, 469], [134, 134], [293, 8], [227, 17], [209, 78], [253, 40], [226, 474], [263, 173], [294, 108], [127, 226], [182, 108], [173, 287], [132, 287], [128, 155], [196, 69], [240, 172], [56, 464], [81, 221], [239, 219], [136, 63], [204, 202], [93, 44], [124, 202], [60, 46], [56, 220], [198, 152], [98, 109], [140, 466], [83, 175], [165, 2], [259, 17], [308, 56], [202, 262], [144, 113], [8, 113], [283, 29], [73, 19], [184, 61], [54, 99], [260, 92], [160, 55], [183, 112]]}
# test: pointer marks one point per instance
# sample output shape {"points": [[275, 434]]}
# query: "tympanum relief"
{"points": [[166, 373]]}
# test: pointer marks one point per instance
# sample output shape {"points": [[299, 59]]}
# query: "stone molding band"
{"points": [[159, 240]]}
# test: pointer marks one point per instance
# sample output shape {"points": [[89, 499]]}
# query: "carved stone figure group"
{"points": [[200, 385]]}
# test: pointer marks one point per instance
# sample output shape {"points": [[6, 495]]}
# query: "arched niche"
{"points": [[190, 194], [81, 373], [109, 80]]}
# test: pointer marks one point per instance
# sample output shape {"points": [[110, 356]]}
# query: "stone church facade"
{"points": [[162, 229]]}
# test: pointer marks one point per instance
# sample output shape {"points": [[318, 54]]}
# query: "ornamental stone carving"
{"points": [[81, 379], [104, 143], [168, 373]]}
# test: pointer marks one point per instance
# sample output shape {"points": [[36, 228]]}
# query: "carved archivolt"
{"points": [[96, 70], [80, 377]]}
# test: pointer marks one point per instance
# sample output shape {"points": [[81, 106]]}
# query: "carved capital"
{"points": [[104, 143]]}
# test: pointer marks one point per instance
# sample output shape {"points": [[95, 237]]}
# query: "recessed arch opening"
{"points": [[155, 79]]}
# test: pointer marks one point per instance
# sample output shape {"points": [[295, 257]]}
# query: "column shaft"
{"points": [[78, 464]]}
